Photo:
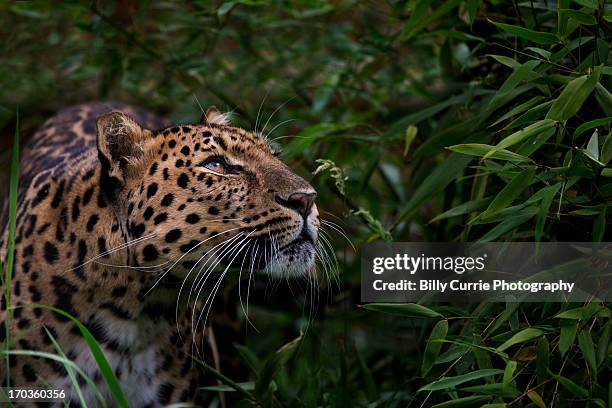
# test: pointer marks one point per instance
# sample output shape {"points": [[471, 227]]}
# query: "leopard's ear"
{"points": [[214, 116], [120, 144]]}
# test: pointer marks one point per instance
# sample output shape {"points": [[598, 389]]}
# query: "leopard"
{"points": [[116, 210]]}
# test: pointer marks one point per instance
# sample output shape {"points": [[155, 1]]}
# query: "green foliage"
{"points": [[433, 120]]}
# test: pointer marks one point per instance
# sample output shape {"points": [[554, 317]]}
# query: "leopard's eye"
{"points": [[219, 165], [216, 165]]}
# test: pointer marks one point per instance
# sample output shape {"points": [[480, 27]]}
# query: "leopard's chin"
{"points": [[295, 259]]}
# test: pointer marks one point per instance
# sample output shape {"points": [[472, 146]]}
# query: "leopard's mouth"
{"points": [[297, 258], [303, 239]]}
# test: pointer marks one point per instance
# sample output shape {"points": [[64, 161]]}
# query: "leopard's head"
{"points": [[198, 196]]}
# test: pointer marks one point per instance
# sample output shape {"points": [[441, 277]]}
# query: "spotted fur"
{"points": [[107, 204]]}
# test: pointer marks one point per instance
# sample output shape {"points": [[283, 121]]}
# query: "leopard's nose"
{"points": [[301, 202]]}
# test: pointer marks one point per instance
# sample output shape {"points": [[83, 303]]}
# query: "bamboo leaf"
{"points": [[407, 309], [482, 150], [536, 399], [509, 193], [535, 36], [571, 386], [590, 125], [599, 227], [530, 131], [547, 199], [568, 334], [274, 364], [585, 342], [464, 208], [573, 96], [523, 336], [543, 359], [451, 382], [521, 73], [463, 402], [606, 149], [433, 347]]}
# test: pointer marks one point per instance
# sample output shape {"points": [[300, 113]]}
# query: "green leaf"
{"points": [[573, 96], [464, 208], [568, 334], [419, 20], [540, 52], [507, 225], [225, 8], [518, 109], [274, 364], [411, 133], [571, 386], [580, 313], [547, 199], [408, 309], [509, 193], [463, 402], [107, 372], [535, 36], [325, 92], [509, 371], [432, 348], [481, 150], [579, 16], [590, 125], [451, 382], [585, 342], [523, 336], [500, 390], [507, 61], [604, 97], [593, 4], [599, 227], [521, 73], [543, 359], [247, 386], [604, 344], [606, 149], [249, 358], [71, 373], [592, 148], [442, 175], [533, 114], [530, 131], [536, 399]]}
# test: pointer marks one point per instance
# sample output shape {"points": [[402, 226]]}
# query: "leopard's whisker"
{"points": [[115, 249], [251, 277], [276, 127], [186, 278], [202, 277], [219, 252], [198, 102], [339, 230], [154, 268], [209, 301], [240, 284], [226, 245], [214, 249], [184, 255], [240, 246], [259, 109], [276, 110]]}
